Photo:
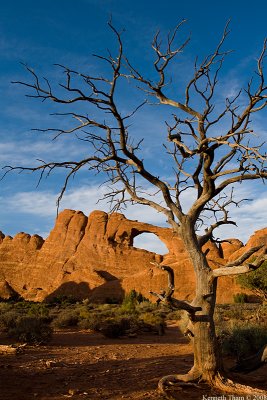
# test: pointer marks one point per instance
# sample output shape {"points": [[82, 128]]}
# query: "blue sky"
{"points": [[42, 33]]}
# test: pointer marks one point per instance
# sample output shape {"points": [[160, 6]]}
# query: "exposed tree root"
{"points": [[182, 380], [193, 379], [228, 386]]}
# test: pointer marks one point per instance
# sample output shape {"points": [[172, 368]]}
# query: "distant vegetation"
{"points": [[240, 329], [256, 281], [34, 322], [240, 298]]}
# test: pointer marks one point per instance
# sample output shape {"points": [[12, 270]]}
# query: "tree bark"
{"points": [[207, 360]]}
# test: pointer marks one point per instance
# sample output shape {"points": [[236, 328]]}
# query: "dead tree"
{"points": [[166, 298], [207, 160]]}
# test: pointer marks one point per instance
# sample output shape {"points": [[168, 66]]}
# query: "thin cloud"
{"points": [[250, 216], [26, 152], [32, 203]]}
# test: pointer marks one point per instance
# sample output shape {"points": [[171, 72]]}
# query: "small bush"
{"points": [[243, 342], [11, 313], [255, 281], [141, 299], [146, 306], [116, 327], [152, 322], [92, 321], [32, 330], [4, 307], [131, 301], [151, 319], [82, 311], [8, 320], [112, 328], [240, 298], [38, 310], [175, 315], [65, 319], [63, 300], [237, 312]]}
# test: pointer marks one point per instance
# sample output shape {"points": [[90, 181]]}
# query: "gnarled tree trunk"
{"points": [[201, 328], [206, 349]]}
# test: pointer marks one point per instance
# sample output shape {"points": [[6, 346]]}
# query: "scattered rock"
{"points": [[11, 349], [52, 364], [132, 335], [72, 392]]}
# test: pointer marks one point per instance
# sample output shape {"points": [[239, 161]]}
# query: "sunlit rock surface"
{"points": [[93, 257]]}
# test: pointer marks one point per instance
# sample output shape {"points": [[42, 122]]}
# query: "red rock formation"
{"points": [[94, 257], [6, 291]]}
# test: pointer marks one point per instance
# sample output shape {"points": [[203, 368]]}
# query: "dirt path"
{"points": [[84, 365]]}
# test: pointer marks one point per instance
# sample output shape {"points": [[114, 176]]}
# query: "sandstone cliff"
{"points": [[94, 257]]}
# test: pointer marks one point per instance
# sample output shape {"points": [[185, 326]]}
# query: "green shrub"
{"points": [[236, 311], [243, 342], [32, 330], [38, 310], [112, 328], [146, 306], [86, 324], [256, 281], [65, 319], [106, 308], [174, 315], [151, 318], [129, 302], [116, 327], [4, 307], [154, 322], [132, 300], [240, 298], [30, 308], [141, 299], [63, 300], [82, 311], [92, 321], [8, 320]]}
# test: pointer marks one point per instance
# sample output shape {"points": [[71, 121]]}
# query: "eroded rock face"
{"points": [[94, 257], [6, 291]]}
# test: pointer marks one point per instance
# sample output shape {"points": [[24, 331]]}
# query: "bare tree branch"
{"points": [[235, 267], [203, 161], [166, 296]]}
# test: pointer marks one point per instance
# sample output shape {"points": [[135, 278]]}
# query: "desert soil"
{"points": [[85, 365]]}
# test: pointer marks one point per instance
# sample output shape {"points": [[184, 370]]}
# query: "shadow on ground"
{"points": [[80, 365]]}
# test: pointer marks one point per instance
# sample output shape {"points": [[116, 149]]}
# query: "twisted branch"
{"points": [[166, 296]]}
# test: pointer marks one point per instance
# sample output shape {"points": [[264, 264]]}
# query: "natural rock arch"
{"points": [[151, 242]]}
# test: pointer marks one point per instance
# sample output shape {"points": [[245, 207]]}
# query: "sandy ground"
{"points": [[85, 365]]}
